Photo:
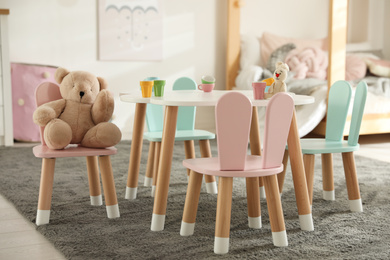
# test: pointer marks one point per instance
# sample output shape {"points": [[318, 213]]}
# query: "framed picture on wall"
{"points": [[130, 30]]}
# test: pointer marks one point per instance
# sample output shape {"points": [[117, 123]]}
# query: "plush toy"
{"points": [[280, 75], [82, 115]]}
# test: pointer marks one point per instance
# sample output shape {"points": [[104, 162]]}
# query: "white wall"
{"points": [[64, 33]]}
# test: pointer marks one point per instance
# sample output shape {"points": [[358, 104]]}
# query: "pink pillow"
{"points": [[270, 42], [355, 67]]}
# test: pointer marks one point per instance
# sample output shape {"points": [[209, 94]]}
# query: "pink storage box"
{"points": [[24, 80]]}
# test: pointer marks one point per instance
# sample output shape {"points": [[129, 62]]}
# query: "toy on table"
{"points": [[280, 75], [82, 115]]}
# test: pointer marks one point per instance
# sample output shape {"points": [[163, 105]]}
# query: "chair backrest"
{"points": [[45, 93], [357, 112], [339, 98], [277, 126], [233, 114], [185, 117]]}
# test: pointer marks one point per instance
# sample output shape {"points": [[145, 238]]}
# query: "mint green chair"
{"points": [[338, 104], [185, 131]]}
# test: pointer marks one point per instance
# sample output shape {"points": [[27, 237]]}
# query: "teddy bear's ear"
{"points": [[103, 83], [60, 74]]}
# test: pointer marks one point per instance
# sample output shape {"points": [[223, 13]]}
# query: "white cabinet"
{"points": [[6, 127]]}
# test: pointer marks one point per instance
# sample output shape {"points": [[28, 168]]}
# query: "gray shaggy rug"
{"points": [[81, 231]]}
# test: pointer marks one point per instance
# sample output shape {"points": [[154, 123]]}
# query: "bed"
{"points": [[250, 59]]}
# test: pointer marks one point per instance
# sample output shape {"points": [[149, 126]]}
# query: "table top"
{"points": [[200, 98]]}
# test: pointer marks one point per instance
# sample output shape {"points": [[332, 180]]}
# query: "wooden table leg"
{"points": [[164, 168], [255, 145], [136, 150], [299, 177]]}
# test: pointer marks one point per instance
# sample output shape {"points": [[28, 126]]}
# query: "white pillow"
{"points": [[250, 51], [247, 75]]}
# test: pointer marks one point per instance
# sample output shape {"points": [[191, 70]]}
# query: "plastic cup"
{"points": [[146, 88], [259, 89], [159, 87], [206, 87], [207, 79]]}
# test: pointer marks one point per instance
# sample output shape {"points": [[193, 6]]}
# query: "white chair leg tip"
{"points": [[113, 211], [131, 193], [211, 188], [221, 245], [148, 181], [328, 195], [158, 222], [356, 205], [187, 229], [262, 192], [153, 191], [43, 217], [280, 238], [306, 222], [96, 200], [254, 222]]}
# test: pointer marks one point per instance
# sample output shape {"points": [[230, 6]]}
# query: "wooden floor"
{"points": [[20, 240]]}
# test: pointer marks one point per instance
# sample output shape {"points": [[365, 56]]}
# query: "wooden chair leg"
{"points": [[308, 162], [275, 211], [45, 191], [157, 149], [149, 166], [327, 176], [224, 211], [355, 201], [191, 204], [255, 144], [253, 201], [281, 176], [205, 151], [94, 181], [189, 149], [109, 187]]}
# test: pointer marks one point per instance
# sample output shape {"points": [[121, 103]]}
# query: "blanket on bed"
{"points": [[311, 62]]}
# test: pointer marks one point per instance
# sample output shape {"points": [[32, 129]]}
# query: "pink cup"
{"points": [[258, 89], [206, 87]]}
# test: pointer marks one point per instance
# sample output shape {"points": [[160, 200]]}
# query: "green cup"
{"points": [[159, 87], [207, 79]]}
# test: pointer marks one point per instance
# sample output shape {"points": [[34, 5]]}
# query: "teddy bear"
{"points": [[81, 116], [279, 76]]}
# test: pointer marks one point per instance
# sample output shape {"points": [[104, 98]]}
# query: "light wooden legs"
{"points": [[164, 169], [254, 140], [109, 187], [299, 177], [45, 191], [327, 176], [157, 150], [355, 201], [224, 209], [191, 204], [282, 175], [205, 151], [94, 181], [135, 152], [149, 167], [275, 211], [189, 149], [253, 201], [308, 161]]}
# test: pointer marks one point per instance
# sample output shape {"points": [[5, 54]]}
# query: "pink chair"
{"points": [[47, 92], [233, 118]]}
